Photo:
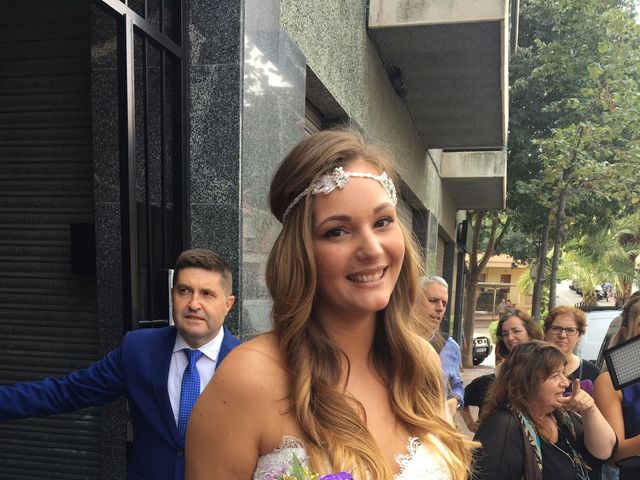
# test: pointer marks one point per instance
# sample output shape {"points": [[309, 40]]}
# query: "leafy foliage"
{"points": [[574, 123], [574, 135]]}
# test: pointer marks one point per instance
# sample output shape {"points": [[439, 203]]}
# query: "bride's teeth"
{"points": [[366, 278]]}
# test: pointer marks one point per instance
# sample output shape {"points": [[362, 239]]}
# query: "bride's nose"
{"points": [[369, 244]]}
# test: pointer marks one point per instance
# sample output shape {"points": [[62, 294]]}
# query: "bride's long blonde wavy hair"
{"points": [[335, 430]]}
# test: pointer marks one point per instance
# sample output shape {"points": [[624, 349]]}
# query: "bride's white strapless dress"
{"points": [[418, 463]]}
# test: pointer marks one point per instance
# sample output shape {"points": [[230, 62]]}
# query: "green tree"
{"points": [[623, 258], [609, 254], [488, 229], [574, 123], [573, 135], [593, 153]]}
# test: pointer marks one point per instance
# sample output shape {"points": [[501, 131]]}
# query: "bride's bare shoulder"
{"points": [[252, 364], [262, 349], [238, 411]]}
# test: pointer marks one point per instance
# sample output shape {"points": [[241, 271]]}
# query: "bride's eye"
{"points": [[383, 222], [334, 233]]}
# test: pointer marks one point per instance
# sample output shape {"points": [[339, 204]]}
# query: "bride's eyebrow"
{"points": [[332, 218], [383, 206], [346, 218]]}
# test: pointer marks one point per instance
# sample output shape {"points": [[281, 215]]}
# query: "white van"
{"points": [[598, 322]]}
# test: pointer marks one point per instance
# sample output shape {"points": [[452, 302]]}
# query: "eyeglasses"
{"points": [[570, 331], [514, 331]]}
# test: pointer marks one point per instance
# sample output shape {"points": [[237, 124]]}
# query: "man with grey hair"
{"points": [[433, 299]]}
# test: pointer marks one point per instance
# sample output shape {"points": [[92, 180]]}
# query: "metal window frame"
{"points": [[128, 21]]}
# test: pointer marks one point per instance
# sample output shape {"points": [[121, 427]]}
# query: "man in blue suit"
{"points": [[154, 368]]}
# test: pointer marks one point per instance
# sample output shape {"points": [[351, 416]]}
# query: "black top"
{"points": [[501, 456], [585, 371], [476, 392], [589, 371]]}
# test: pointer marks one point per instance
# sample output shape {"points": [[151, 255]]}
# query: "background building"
{"points": [[502, 278], [130, 130]]}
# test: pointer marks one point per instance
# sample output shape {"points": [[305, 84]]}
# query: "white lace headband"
{"points": [[338, 179]]}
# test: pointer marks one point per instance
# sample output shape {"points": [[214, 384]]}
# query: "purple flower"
{"points": [[337, 476], [587, 386]]}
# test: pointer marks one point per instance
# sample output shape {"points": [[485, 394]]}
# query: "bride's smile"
{"points": [[358, 244]]}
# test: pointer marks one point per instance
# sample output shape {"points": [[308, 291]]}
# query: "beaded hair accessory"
{"points": [[338, 179]]}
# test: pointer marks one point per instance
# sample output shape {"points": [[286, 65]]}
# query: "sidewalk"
{"points": [[468, 375]]}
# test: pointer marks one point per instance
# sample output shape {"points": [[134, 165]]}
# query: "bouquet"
{"points": [[300, 472]]}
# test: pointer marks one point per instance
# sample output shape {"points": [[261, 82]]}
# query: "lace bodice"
{"points": [[274, 464], [418, 463]]}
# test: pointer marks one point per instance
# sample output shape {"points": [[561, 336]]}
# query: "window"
{"points": [[505, 278], [149, 100], [312, 119]]}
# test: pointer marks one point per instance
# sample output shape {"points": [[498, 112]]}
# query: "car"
{"points": [[481, 349], [598, 322]]}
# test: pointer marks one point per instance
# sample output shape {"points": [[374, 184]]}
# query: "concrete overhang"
{"points": [[475, 180], [452, 56]]}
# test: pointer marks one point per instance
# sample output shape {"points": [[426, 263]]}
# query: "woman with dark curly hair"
{"points": [[529, 429]]}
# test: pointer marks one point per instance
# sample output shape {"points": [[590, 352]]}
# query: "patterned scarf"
{"points": [[533, 450]]}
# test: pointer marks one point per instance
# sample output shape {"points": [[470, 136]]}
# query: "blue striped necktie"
{"points": [[190, 389]]}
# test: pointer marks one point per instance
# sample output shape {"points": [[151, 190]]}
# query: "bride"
{"points": [[343, 381]]}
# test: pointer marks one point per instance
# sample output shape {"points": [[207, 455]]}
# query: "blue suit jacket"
{"points": [[137, 369]]}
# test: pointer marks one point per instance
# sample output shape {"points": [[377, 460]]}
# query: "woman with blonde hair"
{"points": [[621, 408], [343, 382]]}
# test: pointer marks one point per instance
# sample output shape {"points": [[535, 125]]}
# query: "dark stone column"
{"points": [[214, 121], [104, 119]]}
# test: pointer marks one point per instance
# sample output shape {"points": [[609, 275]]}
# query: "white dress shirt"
{"points": [[206, 367]]}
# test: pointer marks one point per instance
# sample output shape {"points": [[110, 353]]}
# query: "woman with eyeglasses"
{"points": [[514, 327], [563, 327]]}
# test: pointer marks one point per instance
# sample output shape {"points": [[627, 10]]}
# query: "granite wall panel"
{"points": [[109, 274], [272, 123]]}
